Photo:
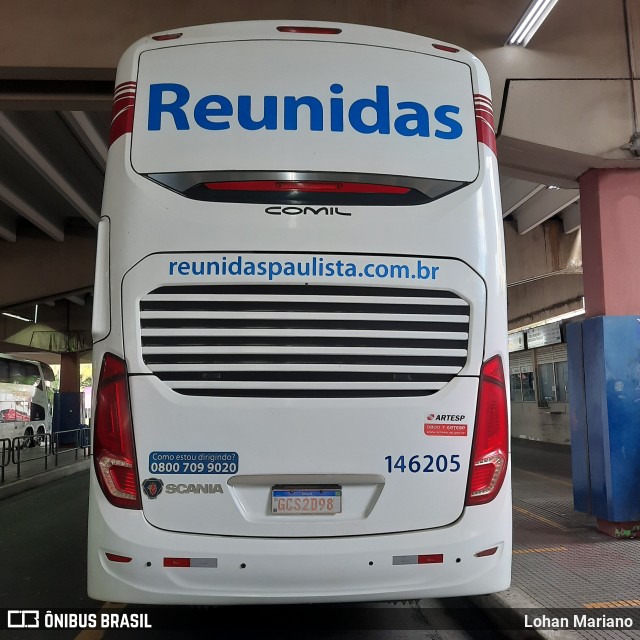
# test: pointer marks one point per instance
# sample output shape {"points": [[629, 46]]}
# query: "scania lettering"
{"points": [[194, 488], [299, 322]]}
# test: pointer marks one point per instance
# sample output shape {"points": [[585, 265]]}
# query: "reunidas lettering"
{"points": [[380, 114], [315, 211]]}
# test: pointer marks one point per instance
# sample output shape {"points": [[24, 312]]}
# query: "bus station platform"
{"points": [[562, 565]]}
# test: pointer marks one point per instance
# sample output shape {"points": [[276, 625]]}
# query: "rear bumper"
{"points": [[276, 570]]}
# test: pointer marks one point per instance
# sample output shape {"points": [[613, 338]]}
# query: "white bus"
{"points": [[299, 322], [25, 401]]}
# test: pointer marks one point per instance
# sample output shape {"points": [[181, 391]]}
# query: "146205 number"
{"points": [[423, 463]]}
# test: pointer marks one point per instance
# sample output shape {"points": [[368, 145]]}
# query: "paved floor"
{"points": [[562, 565]]}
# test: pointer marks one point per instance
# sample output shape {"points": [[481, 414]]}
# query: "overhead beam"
{"points": [[514, 193], [68, 268], [8, 231], [12, 134], [89, 136], [76, 300], [544, 206], [20, 206], [571, 218]]}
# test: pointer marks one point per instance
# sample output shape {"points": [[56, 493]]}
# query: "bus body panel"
{"points": [[258, 571], [393, 476], [158, 241]]}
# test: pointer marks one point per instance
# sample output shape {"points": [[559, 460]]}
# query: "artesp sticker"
{"points": [[445, 424], [440, 429]]}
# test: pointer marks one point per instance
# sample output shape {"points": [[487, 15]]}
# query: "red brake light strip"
{"points": [[317, 30], [305, 186]]}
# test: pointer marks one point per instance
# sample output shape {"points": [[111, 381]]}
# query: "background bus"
{"points": [[299, 322], [25, 399]]}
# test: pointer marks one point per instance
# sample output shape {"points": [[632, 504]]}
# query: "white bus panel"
{"points": [[300, 322]]}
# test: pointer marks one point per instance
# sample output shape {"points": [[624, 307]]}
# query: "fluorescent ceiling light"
{"points": [[16, 316], [530, 22]]}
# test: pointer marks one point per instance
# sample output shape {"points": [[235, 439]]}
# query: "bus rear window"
{"points": [[388, 112]]}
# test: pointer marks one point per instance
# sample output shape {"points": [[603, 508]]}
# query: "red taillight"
{"points": [[166, 36], [491, 436], [306, 186], [444, 47], [318, 30], [113, 451]]}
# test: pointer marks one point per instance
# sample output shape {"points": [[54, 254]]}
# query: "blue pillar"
{"points": [[604, 375]]}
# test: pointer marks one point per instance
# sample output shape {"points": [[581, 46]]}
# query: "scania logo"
{"points": [[304, 211], [152, 487]]}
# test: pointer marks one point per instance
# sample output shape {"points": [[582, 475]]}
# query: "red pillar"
{"points": [[69, 372], [610, 220]]}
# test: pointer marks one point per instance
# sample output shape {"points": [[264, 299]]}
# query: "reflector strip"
{"points": [[116, 558], [305, 187], [124, 99], [432, 558], [204, 563], [197, 563], [486, 552], [484, 121], [177, 562]]}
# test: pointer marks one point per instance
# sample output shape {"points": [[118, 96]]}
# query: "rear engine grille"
{"points": [[303, 341]]}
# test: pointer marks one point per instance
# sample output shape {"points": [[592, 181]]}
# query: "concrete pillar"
{"points": [[67, 410], [610, 220], [604, 354], [69, 372]]}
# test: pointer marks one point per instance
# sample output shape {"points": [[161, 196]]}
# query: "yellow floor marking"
{"points": [[616, 604], [546, 477], [542, 550], [98, 634], [540, 518]]}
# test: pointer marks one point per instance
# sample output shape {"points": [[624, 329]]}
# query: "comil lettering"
{"points": [[172, 106]]}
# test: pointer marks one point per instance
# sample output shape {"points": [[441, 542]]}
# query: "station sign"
{"points": [[516, 341], [544, 335]]}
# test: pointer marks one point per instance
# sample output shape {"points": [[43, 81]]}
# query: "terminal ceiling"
{"points": [[563, 105]]}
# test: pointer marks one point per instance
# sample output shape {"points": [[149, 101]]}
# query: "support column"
{"points": [[69, 373], [604, 354], [67, 412], [610, 221]]}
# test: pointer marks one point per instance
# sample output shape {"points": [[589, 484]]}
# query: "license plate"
{"points": [[306, 500]]}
